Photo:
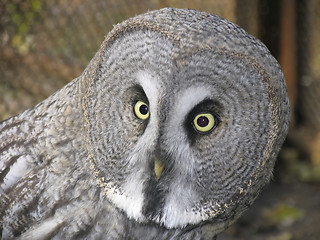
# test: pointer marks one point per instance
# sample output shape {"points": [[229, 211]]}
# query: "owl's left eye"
{"points": [[204, 122], [141, 110]]}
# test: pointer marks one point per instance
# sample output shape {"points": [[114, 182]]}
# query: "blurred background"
{"points": [[44, 44]]}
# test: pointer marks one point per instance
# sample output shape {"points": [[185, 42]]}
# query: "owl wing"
{"points": [[19, 179]]}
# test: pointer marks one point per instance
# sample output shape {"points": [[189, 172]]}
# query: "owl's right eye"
{"points": [[141, 110], [204, 122]]}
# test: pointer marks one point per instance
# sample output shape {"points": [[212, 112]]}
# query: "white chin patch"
{"points": [[130, 199], [178, 209], [173, 218]]}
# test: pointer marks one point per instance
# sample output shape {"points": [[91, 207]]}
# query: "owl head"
{"points": [[188, 113]]}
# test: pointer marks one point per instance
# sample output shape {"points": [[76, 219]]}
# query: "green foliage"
{"points": [[21, 16], [283, 214]]}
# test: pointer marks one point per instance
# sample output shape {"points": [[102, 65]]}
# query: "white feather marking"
{"points": [[152, 89], [187, 100], [131, 201], [44, 229], [16, 172], [177, 210], [149, 84]]}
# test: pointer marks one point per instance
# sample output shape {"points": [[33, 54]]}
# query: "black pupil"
{"points": [[203, 121], [143, 109]]}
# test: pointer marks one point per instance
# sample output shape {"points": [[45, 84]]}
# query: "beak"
{"points": [[158, 167]]}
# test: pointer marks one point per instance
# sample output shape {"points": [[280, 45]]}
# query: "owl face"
{"points": [[187, 131]]}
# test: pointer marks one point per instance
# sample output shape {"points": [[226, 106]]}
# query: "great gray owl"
{"points": [[170, 133]]}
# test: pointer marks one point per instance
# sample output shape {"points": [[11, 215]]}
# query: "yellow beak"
{"points": [[158, 168]]}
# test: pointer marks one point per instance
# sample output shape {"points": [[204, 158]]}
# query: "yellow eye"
{"points": [[204, 122], [141, 110]]}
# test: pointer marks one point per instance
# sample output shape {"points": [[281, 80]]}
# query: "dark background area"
{"points": [[44, 44]]}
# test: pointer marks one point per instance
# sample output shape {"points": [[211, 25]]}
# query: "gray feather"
{"points": [[80, 164]]}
